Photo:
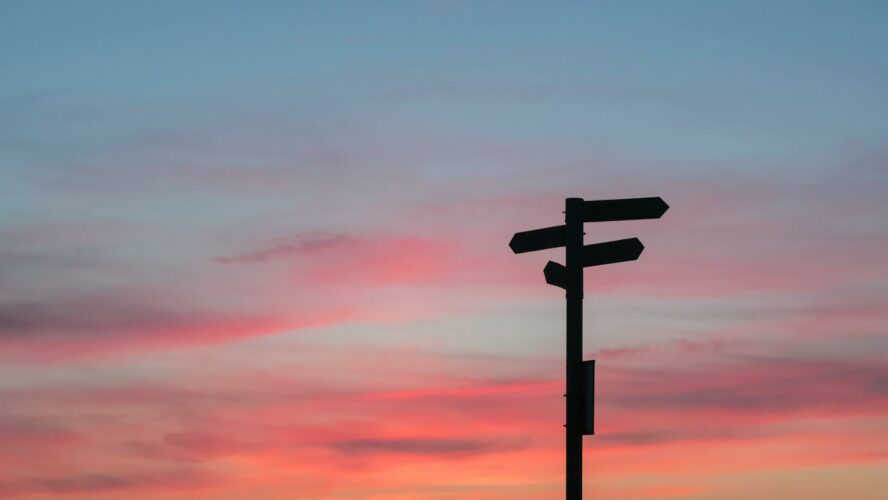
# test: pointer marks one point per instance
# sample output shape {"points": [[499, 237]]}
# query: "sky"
{"points": [[260, 249]]}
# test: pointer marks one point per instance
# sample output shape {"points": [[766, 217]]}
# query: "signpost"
{"points": [[580, 374]]}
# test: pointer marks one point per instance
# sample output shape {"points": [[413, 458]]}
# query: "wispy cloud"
{"points": [[290, 247], [425, 446], [101, 483]]}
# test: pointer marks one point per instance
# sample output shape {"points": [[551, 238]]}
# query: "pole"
{"points": [[573, 218]]}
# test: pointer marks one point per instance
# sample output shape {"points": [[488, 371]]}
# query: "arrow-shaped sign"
{"points": [[611, 252], [555, 274], [625, 209], [598, 254], [538, 239]]}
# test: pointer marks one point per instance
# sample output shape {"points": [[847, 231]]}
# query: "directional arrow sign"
{"points": [[625, 209], [611, 252], [538, 239], [556, 274]]}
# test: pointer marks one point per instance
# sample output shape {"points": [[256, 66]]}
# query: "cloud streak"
{"points": [[650, 405]]}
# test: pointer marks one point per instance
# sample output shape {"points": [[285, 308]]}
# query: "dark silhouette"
{"points": [[580, 394]]}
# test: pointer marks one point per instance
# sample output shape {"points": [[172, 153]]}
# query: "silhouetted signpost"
{"points": [[580, 374]]}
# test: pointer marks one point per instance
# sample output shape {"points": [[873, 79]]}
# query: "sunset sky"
{"points": [[259, 250]]}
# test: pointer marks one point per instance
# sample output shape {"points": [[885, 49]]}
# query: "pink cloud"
{"points": [[304, 432]]}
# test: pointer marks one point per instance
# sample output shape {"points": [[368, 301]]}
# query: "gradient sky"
{"points": [[259, 249]]}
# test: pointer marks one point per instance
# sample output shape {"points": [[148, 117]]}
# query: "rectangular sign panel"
{"points": [[589, 397], [539, 239], [625, 209], [611, 252]]}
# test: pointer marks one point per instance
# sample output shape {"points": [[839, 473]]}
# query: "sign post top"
{"points": [[588, 211]]}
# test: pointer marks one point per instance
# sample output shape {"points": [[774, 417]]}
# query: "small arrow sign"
{"points": [[538, 239], [611, 252], [624, 209], [556, 274]]}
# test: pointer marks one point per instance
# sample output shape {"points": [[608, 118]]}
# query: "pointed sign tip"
{"points": [[663, 206], [636, 247]]}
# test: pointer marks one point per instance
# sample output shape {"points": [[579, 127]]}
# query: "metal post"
{"points": [[573, 218]]}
